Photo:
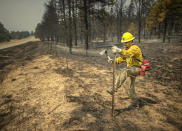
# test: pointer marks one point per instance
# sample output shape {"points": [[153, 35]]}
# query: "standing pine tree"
{"points": [[4, 33]]}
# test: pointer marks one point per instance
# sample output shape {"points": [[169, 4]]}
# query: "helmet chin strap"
{"points": [[127, 47]]}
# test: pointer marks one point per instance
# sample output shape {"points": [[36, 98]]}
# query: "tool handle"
{"points": [[113, 89]]}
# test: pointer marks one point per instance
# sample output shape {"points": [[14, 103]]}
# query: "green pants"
{"points": [[130, 73]]}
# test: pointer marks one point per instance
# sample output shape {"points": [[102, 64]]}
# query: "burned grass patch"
{"points": [[64, 71]]}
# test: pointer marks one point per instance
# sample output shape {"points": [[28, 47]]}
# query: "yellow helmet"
{"points": [[127, 37]]}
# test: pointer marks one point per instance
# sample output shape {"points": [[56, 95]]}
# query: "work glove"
{"points": [[110, 61], [115, 50]]}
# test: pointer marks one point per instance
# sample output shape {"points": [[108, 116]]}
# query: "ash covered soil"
{"points": [[39, 92]]}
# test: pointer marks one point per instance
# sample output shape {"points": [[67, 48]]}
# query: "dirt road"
{"points": [[38, 92], [13, 43]]}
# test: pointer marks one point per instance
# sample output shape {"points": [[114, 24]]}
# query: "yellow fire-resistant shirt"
{"points": [[132, 56]]}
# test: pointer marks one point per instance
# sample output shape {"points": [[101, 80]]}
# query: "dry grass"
{"points": [[39, 93], [44, 95]]}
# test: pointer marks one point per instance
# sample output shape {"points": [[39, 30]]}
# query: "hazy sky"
{"points": [[21, 15]]}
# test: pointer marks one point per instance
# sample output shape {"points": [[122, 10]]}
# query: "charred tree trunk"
{"points": [[86, 25], [164, 32], [120, 21], [159, 31], [89, 22], [170, 30], [74, 21], [104, 32], [139, 21], [70, 25], [65, 24]]}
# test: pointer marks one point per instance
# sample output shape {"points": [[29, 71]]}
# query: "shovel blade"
{"points": [[103, 52]]}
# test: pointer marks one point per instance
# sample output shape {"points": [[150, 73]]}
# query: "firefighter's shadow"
{"points": [[142, 101]]}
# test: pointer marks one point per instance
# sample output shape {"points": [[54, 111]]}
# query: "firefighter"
{"points": [[132, 55]]}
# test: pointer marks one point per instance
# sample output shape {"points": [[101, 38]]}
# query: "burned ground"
{"points": [[38, 91]]}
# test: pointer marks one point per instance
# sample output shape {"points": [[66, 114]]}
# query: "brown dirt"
{"points": [[38, 92]]}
